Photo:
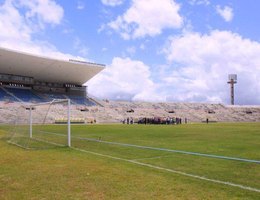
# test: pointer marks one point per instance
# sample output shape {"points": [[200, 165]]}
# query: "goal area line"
{"points": [[38, 140]]}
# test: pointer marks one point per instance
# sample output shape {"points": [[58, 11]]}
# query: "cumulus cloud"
{"points": [[197, 71], [147, 18], [124, 79], [80, 5], [12, 24], [20, 20], [199, 2], [204, 62], [112, 2], [79, 46], [47, 11], [226, 12], [131, 50]]}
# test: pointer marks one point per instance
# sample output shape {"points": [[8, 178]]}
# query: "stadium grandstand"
{"points": [[27, 79]]}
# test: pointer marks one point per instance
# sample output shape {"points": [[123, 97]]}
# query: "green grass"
{"points": [[63, 173]]}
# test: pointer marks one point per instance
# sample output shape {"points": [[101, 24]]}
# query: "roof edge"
{"points": [[70, 60]]}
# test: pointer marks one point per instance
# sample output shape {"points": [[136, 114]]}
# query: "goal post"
{"points": [[69, 127], [30, 122], [55, 101], [43, 124]]}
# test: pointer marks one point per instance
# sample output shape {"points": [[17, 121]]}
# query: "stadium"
{"points": [[119, 149]]}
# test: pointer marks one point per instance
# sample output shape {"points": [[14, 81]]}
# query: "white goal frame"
{"points": [[31, 108]]}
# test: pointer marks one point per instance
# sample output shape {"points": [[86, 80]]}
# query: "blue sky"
{"points": [[167, 50]]}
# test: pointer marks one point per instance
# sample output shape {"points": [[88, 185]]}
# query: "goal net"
{"points": [[42, 125]]}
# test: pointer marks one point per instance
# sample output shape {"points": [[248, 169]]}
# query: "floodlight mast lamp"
{"points": [[232, 80]]}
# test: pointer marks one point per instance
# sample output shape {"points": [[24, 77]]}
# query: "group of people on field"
{"points": [[154, 120], [128, 120]]}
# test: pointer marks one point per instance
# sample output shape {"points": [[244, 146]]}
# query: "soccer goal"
{"points": [[42, 125]]}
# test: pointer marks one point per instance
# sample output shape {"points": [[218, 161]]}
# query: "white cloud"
{"points": [[12, 24], [204, 62], [145, 18], [47, 11], [142, 47], [80, 5], [112, 2], [124, 79], [79, 46], [104, 49], [131, 50], [20, 21], [199, 2], [197, 71], [226, 12]]}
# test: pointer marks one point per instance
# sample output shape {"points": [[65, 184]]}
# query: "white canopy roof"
{"points": [[47, 69]]}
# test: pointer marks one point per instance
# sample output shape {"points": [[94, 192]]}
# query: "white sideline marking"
{"points": [[173, 150], [163, 149], [53, 143], [155, 157], [18, 145], [172, 171], [27, 148], [164, 169]]}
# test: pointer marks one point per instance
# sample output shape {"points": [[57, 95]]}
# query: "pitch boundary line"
{"points": [[53, 143], [163, 149], [167, 169], [155, 157], [172, 171], [18, 145], [173, 150], [39, 140]]}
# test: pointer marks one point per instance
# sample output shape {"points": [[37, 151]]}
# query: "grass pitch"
{"points": [[110, 171]]}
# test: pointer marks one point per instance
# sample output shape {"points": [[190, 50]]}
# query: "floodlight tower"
{"points": [[232, 80]]}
